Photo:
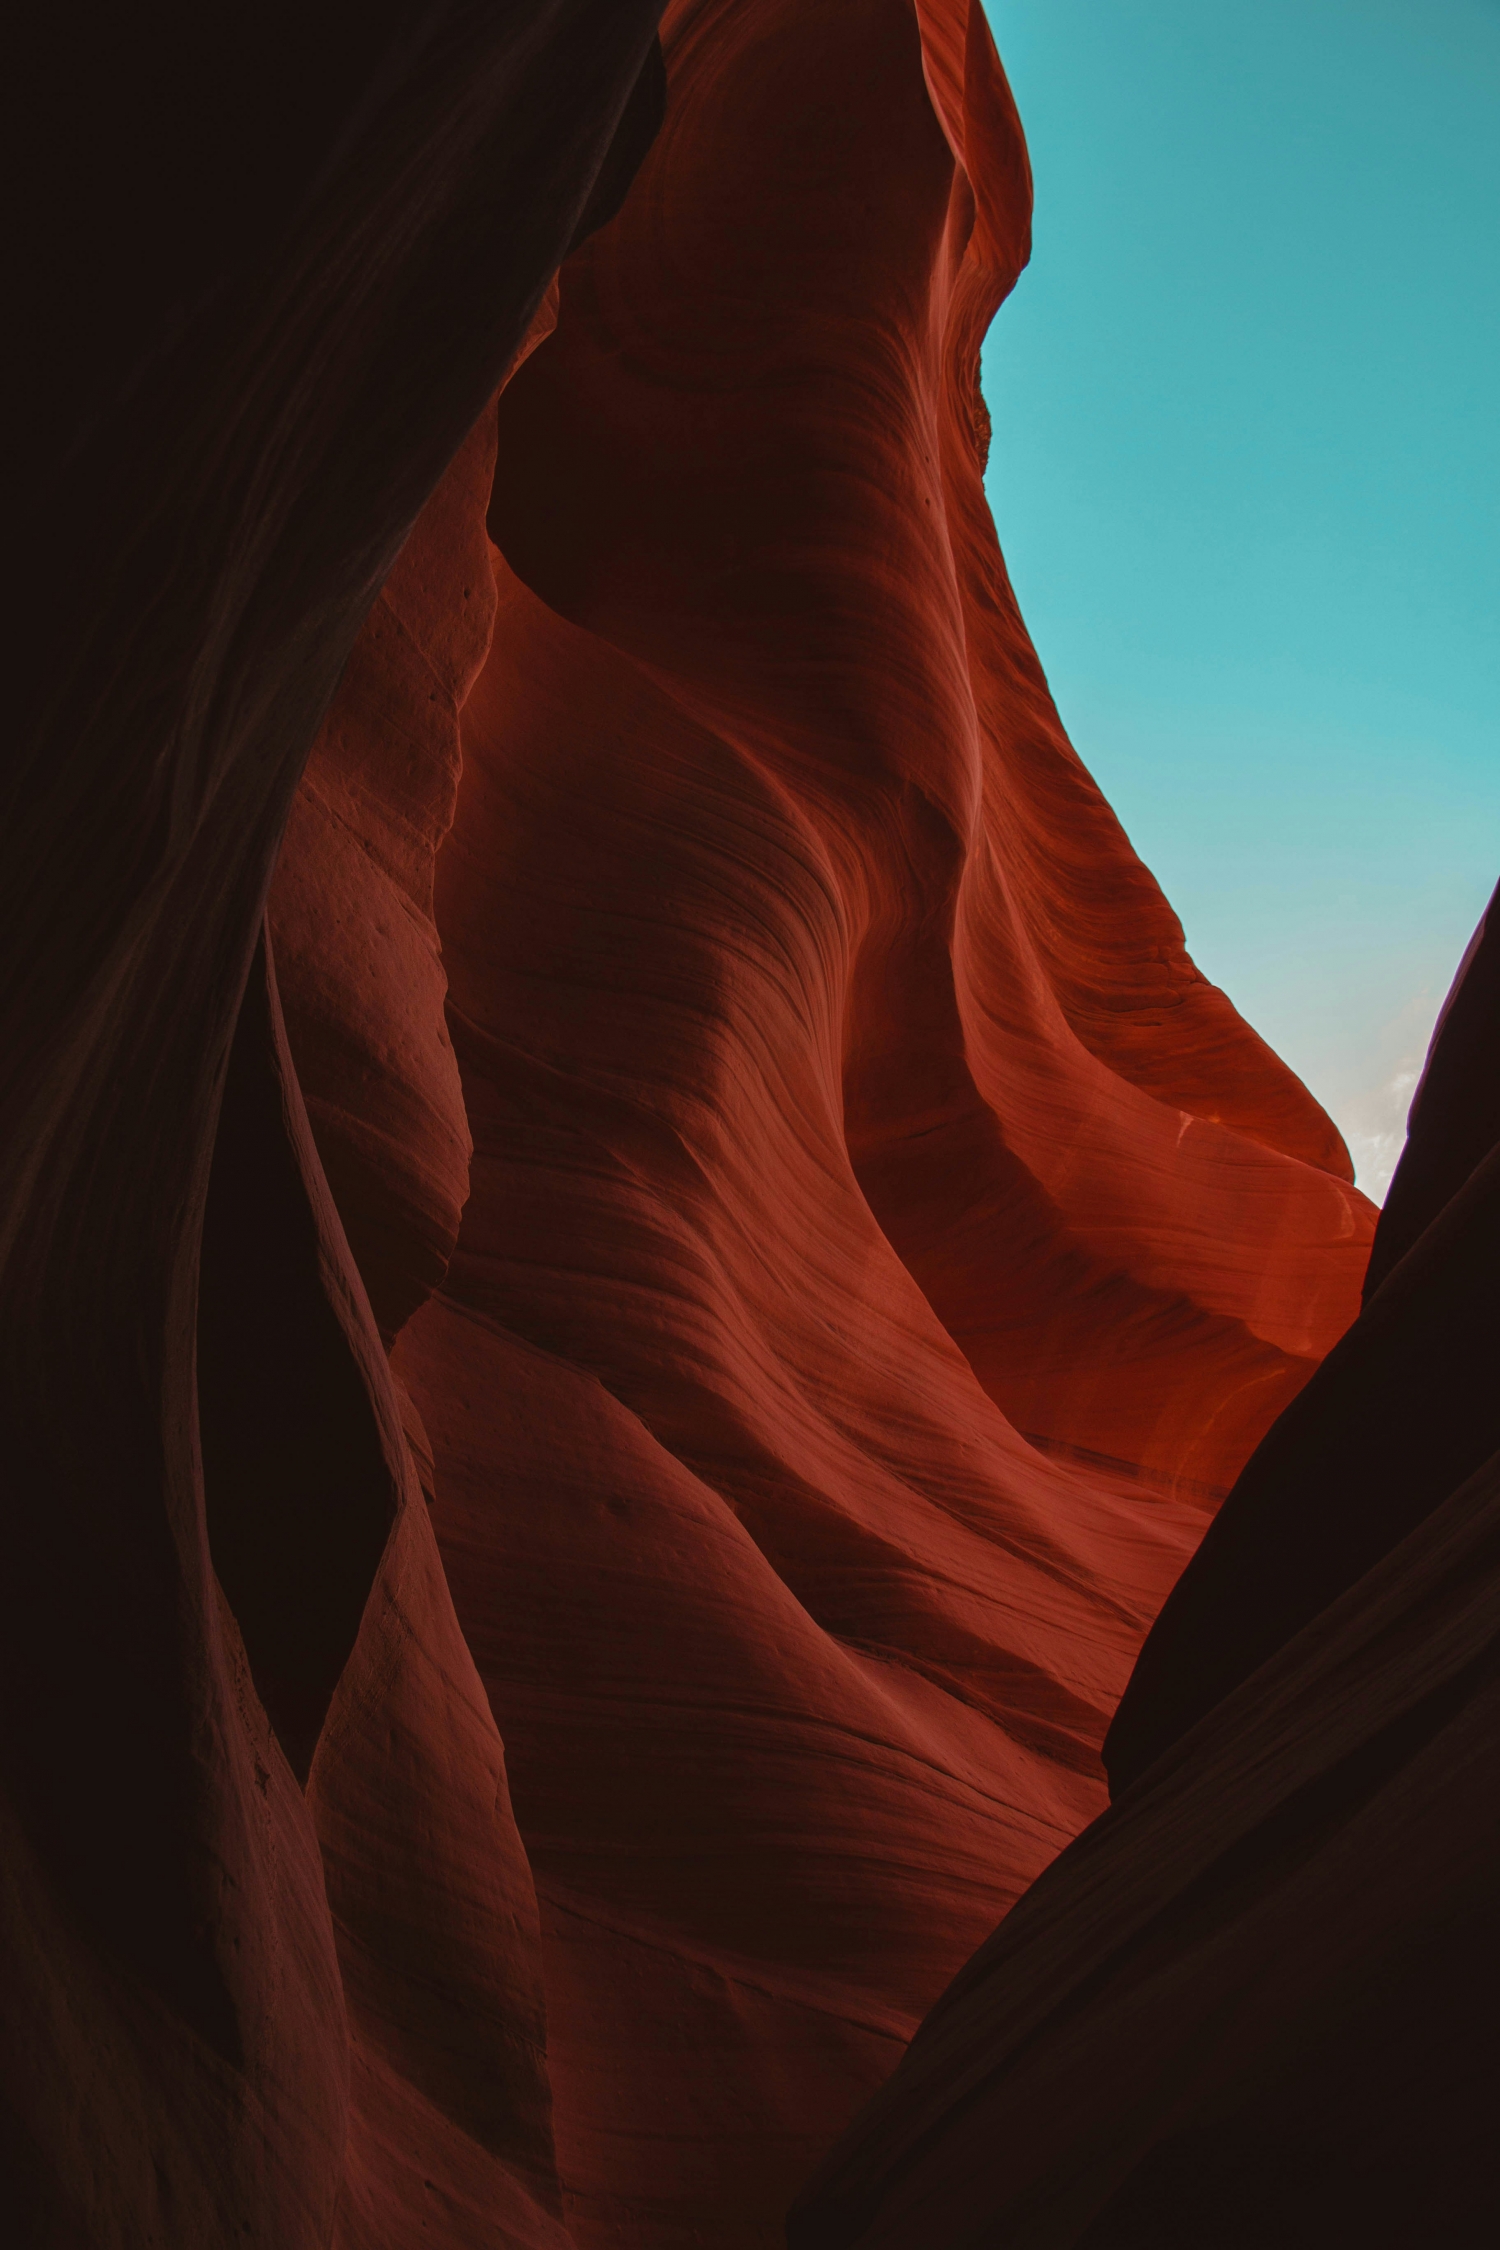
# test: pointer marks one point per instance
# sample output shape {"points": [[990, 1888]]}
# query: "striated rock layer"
{"points": [[1256, 2002], [835, 1249], [267, 1933], [882, 1242], [749, 464]]}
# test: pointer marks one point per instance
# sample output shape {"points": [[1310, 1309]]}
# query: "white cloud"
{"points": [[1373, 1120]]}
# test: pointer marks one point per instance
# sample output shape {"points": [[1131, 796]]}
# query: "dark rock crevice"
{"points": [[297, 1491]]}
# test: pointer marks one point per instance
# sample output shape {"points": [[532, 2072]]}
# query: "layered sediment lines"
{"points": [[749, 462], [833, 1247], [883, 1245], [357, 953], [267, 1933], [1255, 2002]]}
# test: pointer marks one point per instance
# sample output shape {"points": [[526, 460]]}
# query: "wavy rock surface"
{"points": [[881, 1243], [266, 1930], [882, 1240], [351, 905], [1256, 2002], [749, 464], [1402, 1412]]}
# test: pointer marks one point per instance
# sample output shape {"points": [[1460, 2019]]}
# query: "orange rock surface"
{"points": [[833, 1247], [882, 1241], [1256, 2001]]}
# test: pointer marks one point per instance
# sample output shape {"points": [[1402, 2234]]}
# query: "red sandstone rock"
{"points": [[844, 1105], [351, 905], [357, 951], [257, 343], [882, 1241], [1256, 2002], [1405, 1408], [749, 462]]}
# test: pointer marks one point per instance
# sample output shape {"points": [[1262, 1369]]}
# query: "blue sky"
{"points": [[1246, 473]]}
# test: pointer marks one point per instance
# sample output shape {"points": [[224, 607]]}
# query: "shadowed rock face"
{"points": [[1256, 2001], [749, 466], [1402, 1412], [256, 342], [700, 1225], [800, 1651], [844, 1108]]}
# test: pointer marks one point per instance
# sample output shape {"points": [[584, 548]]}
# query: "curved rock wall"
{"points": [[835, 1248], [357, 951], [239, 2009], [749, 463], [883, 1244], [1256, 2001]]}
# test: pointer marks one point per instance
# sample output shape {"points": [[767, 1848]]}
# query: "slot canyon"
{"points": [[724, 1526]]}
